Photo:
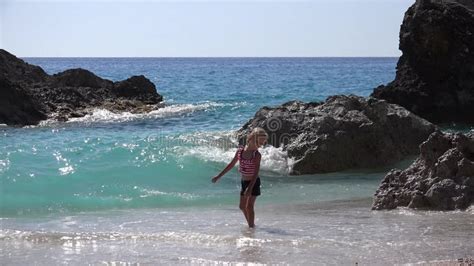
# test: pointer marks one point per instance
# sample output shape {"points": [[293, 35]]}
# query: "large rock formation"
{"points": [[29, 95], [17, 107], [435, 74], [344, 132], [442, 178]]}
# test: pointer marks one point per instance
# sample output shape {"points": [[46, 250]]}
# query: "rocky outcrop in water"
{"points": [[17, 106], [29, 95], [344, 132], [441, 178], [435, 74]]}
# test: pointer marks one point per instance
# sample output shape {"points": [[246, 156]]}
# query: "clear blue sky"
{"points": [[104, 28]]}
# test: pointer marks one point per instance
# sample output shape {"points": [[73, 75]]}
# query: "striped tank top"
{"points": [[247, 167]]}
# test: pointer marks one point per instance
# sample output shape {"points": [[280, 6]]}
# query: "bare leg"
{"points": [[242, 206], [250, 211]]}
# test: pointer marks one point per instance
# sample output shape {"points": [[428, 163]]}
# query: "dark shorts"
{"points": [[255, 190]]}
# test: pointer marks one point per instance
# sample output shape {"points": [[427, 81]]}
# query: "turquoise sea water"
{"points": [[81, 190], [166, 159]]}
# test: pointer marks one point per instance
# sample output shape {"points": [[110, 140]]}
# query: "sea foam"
{"points": [[106, 116], [274, 160]]}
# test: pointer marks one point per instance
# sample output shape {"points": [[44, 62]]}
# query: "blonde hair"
{"points": [[257, 132]]}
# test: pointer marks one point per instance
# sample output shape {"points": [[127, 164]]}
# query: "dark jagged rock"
{"points": [[344, 132], [29, 95], [17, 106], [435, 74], [441, 178], [15, 69], [137, 88], [79, 78]]}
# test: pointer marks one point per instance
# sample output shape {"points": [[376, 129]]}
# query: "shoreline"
{"points": [[219, 235]]}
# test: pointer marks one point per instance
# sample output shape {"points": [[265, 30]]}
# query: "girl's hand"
{"points": [[214, 179]]}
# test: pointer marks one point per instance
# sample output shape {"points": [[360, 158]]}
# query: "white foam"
{"points": [[273, 159], [470, 209], [103, 115], [203, 261], [276, 160], [68, 237], [250, 242], [151, 193], [215, 138], [213, 154]]}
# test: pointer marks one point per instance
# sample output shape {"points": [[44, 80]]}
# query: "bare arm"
{"points": [[249, 189], [227, 168]]}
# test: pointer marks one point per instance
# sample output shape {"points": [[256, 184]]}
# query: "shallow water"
{"points": [[336, 232]]}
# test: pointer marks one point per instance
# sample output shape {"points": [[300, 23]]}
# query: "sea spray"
{"points": [[274, 160], [222, 146], [169, 110]]}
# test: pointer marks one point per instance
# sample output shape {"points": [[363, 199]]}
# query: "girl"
{"points": [[249, 165]]}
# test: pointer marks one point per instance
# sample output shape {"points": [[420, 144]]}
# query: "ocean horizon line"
{"points": [[206, 57]]}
